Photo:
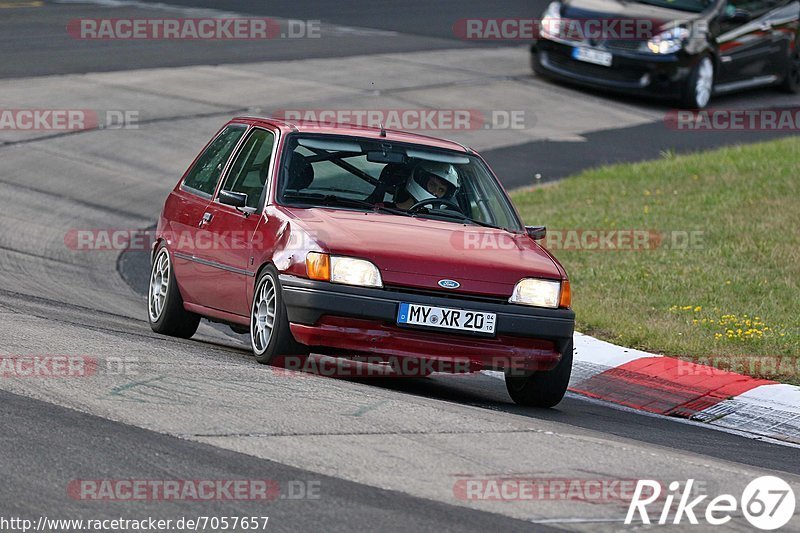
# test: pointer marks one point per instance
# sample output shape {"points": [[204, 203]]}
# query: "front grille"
{"points": [[449, 295], [612, 73], [626, 45]]}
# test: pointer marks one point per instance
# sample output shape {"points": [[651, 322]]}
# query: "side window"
{"points": [[484, 197], [249, 170], [206, 171]]}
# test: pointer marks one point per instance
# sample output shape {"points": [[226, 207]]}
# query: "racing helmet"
{"points": [[417, 182]]}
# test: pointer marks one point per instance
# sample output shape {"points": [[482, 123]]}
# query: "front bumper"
{"points": [[362, 320], [630, 72]]}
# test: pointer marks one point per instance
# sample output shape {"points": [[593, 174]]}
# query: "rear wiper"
{"points": [[463, 218], [332, 200]]}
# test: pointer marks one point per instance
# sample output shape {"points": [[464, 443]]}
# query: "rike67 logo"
{"points": [[767, 503]]}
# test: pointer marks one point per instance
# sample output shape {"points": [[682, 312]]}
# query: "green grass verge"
{"points": [[733, 298]]}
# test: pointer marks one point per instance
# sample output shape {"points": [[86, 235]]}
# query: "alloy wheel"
{"points": [[159, 284], [705, 82], [262, 321]]}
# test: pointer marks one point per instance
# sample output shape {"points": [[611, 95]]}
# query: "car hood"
{"points": [[420, 252], [624, 10]]}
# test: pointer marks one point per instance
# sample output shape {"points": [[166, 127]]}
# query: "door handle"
{"points": [[206, 218], [766, 26]]}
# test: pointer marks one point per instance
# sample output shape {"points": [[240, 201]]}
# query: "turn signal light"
{"points": [[318, 266], [566, 295]]}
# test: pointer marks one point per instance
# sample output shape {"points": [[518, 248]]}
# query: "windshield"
{"points": [[392, 178], [693, 6]]}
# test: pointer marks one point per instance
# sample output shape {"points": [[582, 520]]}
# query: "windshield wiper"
{"points": [[333, 200], [463, 218]]}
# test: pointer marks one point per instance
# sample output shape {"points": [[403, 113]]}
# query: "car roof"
{"points": [[368, 132]]}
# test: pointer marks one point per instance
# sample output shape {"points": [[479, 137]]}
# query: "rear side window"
{"points": [[205, 173]]}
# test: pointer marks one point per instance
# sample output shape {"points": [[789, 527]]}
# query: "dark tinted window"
{"points": [[694, 6], [755, 7], [207, 170]]}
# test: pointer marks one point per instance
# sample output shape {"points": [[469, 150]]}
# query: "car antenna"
{"points": [[377, 93]]}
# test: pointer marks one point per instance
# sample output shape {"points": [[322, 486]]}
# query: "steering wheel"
{"points": [[432, 202]]}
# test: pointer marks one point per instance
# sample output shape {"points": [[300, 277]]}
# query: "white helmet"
{"points": [[416, 184]]}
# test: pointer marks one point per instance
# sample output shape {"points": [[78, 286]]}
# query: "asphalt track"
{"points": [[35, 43], [386, 453]]}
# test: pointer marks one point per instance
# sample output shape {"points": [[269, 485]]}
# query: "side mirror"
{"points": [[738, 16], [233, 199], [537, 233], [237, 200]]}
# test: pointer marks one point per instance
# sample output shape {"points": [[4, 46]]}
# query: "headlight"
{"points": [[541, 293], [551, 20], [344, 270], [668, 42], [355, 272]]}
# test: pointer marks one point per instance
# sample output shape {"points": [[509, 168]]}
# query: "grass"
{"points": [[732, 299]]}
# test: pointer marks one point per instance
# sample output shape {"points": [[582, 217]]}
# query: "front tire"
{"points": [[791, 82], [699, 85], [164, 302], [536, 64], [270, 335], [542, 389]]}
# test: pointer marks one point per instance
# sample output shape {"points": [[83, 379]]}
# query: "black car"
{"points": [[687, 50]]}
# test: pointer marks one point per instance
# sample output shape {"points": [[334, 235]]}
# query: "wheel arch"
{"points": [[251, 287]]}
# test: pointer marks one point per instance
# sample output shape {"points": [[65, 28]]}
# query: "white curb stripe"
{"points": [[602, 353]]}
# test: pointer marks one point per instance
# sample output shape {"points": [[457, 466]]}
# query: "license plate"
{"points": [[590, 55], [446, 318]]}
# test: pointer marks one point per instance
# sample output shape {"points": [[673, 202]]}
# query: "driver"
{"points": [[429, 180]]}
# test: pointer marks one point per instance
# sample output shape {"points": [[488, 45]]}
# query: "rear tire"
{"points": [[270, 335], [699, 85], [791, 82], [164, 302], [542, 389]]}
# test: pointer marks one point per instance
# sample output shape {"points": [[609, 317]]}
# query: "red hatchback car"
{"points": [[347, 241]]}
